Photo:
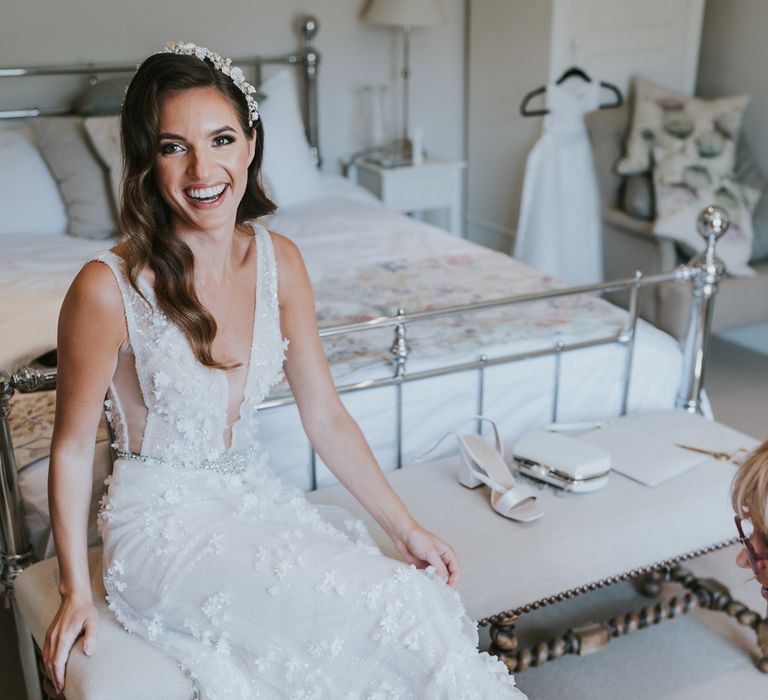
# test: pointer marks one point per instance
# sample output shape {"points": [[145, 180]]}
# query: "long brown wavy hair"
{"points": [[145, 218]]}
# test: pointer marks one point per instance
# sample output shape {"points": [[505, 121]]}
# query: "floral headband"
{"points": [[182, 48]]}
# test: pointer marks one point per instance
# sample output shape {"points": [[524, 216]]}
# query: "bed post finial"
{"points": [[309, 27], [706, 269]]}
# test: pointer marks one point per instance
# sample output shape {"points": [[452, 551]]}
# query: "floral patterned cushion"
{"points": [[683, 188], [666, 122]]}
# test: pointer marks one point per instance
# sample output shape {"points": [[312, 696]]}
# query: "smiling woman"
{"points": [[207, 555]]}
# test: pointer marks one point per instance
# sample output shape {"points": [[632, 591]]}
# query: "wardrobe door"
{"points": [[615, 39], [507, 55]]}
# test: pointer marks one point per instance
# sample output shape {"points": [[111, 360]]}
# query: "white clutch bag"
{"points": [[564, 462]]}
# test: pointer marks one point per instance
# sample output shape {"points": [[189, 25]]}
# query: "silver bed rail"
{"points": [[702, 273]]}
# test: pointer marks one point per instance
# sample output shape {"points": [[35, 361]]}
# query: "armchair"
{"points": [[629, 244]]}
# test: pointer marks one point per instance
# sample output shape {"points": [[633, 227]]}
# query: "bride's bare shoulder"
{"points": [[94, 290], [287, 253], [92, 320], [292, 279]]}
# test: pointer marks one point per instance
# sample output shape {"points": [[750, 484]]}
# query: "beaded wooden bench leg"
{"points": [[589, 638]]}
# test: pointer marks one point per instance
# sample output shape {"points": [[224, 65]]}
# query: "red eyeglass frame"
{"points": [[752, 555]]}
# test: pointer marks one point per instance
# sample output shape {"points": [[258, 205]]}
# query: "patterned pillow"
{"points": [[683, 188], [665, 122]]}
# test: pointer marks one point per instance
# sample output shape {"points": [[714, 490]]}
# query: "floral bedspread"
{"points": [[365, 293]]}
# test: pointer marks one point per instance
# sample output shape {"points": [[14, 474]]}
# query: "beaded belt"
{"points": [[227, 464]]}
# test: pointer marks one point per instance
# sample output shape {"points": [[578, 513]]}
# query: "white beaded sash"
{"points": [[227, 464]]}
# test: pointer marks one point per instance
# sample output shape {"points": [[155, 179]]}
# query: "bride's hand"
{"points": [[422, 549], [74, 616]]}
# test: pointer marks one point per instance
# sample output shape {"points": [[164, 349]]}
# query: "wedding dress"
{"points": [[253, 590], [559, 230]]}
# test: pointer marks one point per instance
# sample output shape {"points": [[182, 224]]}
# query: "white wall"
{"points": [[508, 57], [734, 57], [733, 60], [37, 32]]}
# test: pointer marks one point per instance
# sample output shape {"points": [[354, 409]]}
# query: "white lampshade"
{"points": [[403, 13]]}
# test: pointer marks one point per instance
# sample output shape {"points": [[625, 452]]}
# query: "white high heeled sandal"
{"points": [[482, 464]]}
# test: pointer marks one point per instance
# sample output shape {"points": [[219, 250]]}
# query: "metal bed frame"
{"points": [[701, 274]]}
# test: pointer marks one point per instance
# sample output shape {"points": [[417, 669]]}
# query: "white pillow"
{"points": [[104, 133], [30, 201], [287, 165]]}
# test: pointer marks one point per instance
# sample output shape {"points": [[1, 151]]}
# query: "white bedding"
{"points": [[35, 272], [346, 238]]}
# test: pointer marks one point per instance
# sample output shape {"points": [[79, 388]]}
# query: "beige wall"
{"points": [[508, 57], [38, 32], [734, 60]]}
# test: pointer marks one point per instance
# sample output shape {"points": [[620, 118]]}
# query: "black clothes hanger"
{"points": [[572, 72]]}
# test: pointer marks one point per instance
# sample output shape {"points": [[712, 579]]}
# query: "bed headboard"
{"points": [[306, 59]]}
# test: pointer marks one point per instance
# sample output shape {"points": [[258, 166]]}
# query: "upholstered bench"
{"points": [[583, 542]]}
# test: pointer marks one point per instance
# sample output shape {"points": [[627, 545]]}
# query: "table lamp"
{"points": [[405, 15]]}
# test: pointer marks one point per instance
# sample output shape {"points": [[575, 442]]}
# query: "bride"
{"points": [[207, 555]]}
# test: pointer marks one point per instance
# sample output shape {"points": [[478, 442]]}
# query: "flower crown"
{"points": [[183, 48]]}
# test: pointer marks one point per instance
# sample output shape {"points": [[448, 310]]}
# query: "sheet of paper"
{"points": [[643, 446]]}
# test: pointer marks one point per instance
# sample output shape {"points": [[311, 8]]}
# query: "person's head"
{"points": [[192, 148], [188, 97], [750, 503]]}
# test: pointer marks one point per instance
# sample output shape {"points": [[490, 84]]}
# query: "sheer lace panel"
{"points": [[129, 412]]}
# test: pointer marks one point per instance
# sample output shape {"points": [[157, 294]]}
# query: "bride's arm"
{"points": [[91, 330], [333, 432]]}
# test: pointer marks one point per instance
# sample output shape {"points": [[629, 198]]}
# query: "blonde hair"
{"points": [[749, 492]]}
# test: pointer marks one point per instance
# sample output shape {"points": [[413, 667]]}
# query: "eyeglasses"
{"points": [[753, 556]]}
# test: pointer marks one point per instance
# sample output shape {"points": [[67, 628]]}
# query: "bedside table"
{"points": [[435, 184]]}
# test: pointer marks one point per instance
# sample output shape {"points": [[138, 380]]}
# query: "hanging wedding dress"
{"points": [[559, 230], [256, 592]]}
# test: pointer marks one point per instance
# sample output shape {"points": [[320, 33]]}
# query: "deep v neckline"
{"points": [[221, 374], [232, 428]]}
